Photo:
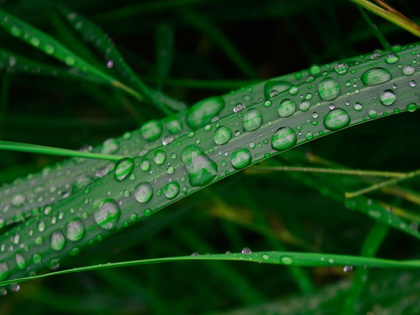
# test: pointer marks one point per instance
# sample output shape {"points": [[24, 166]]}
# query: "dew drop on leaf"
{"points": [[375, 76], [336, 119], [283, 139]]}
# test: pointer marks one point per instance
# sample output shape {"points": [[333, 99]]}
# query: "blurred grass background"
{"points": [[218, 46]]}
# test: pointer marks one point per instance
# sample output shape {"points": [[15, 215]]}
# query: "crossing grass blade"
{"points": [[51, 46], [32, 148], [103, 43], [277, 258]]}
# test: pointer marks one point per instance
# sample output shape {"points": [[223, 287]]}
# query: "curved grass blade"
{"points": [[164, 52], [276, 258], [214, 139], [32, 148], [93, 34], [16, 63], [52, 47]]}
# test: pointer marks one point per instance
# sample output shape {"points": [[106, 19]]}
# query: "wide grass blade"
{"points": [[216, 138]]}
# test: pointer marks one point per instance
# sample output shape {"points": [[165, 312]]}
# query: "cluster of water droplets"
{"points": [[167, 159]]}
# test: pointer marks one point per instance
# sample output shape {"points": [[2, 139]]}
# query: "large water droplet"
{"points": [[18, 200], [143, 192], [391, 58], [409, 70], [123, 168], [110, 146], [20, 261], [287, 260], [201, 169], [108, 214], [252, 120], [274, 87], [174, 125], [328, 89], [336, 119], [151, 130], [171, 190], [286, 108], [246, 251], [341, 68], [57, 240], [203, 112], [388, 97], [75, 230], [376, 76], [284, 138], [222, 135], [241, 158], [159, 156]]}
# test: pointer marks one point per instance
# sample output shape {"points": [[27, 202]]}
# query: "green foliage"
{"points": [[75, 206]]}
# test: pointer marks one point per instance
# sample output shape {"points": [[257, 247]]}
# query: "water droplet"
{"points": [[159, 156], [145, 165], [336, 119], [372, 113], [287, 260], [75, 230], [15, 31], [274, 87], [376, 76], [174, 125], [328, 89], [408, 70], [222, 135], [252, 120], [171, 190], [283, 139], [391, 58], [18, 200], [110, 146], [108, 214], [246, 251], [109, 64], [412, 83], [203, 112], [123, 168], [341, 68], [358, 107], [201, 169], [57, 240], [388, 97], [286, 108], [412, 107], [143, 192], [151, 130], [20, 261], [347, 268], [241, 158], [304, 105], [168, 139]]}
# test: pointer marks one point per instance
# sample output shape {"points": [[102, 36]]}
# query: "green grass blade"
{"points": [[40, 149], [277, 258], [19, 64], [258, 122], [93, 34], [370, 247], [164, 52], [52, 47]]}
